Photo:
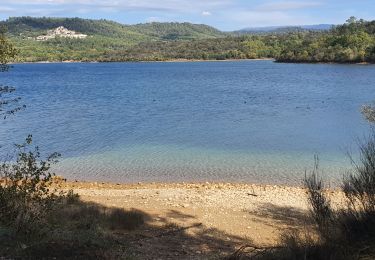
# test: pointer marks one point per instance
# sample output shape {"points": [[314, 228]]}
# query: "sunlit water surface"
{"points": [[248, 121]]}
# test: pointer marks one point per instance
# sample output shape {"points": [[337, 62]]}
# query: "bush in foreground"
{"points": [[27, 191], [349, 232], [339, 234], [39, 218]]}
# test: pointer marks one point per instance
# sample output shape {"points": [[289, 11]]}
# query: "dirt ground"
{"points": [[206, 220]]}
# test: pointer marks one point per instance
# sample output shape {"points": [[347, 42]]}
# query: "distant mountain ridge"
{"points": [[30, 26], [276, 29]]}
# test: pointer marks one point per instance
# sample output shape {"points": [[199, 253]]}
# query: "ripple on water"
{"points": [[253, 121]]}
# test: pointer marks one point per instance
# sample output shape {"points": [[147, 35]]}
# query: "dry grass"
{"points": [[75, 229], [347, 233], [94, 216]]}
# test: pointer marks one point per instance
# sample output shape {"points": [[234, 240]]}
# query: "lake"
{"points": [[242, 121]]}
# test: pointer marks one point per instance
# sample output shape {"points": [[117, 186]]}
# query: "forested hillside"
{"points": [[352, 42], [104, 36], [285, 29], [230, 47], [30, 26]]}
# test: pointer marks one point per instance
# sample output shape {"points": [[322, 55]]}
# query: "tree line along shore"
{"points": [[107, 41]]}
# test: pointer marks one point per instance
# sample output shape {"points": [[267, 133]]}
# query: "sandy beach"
{"points": [[205, 219]]}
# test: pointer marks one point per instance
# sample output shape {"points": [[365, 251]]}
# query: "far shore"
{"points": [[187, 60], [242, 212], [139, 61]]}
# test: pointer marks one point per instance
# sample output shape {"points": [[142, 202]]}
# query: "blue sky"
{"points": [[223, 14]]}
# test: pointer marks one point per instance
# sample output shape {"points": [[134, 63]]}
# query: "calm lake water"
{"points": [[253, 121]]}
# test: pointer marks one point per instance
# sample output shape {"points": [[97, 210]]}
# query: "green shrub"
{"points": [[369, 113], [27, 191], [347, 233], [321, 210]]}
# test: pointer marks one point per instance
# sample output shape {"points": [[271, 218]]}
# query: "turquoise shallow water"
{"points": [[255, 121]]}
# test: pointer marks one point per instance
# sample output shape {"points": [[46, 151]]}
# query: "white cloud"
{"points": [[271, 18], [154, 19], [225, 14], [286, 6], [6, 9], [140, 5], [170, 9]]}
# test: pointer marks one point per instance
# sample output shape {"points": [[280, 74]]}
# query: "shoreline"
{"points": [[192, 61], [140, 61], [181, 185]]}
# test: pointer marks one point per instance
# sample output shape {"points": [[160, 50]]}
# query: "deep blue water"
{"points": [[256, 121]]}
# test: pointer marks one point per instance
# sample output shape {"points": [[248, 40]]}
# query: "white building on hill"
{"points": [[60, 32]]}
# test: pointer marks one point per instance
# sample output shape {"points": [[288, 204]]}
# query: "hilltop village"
{"points": [[61, 32]]}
